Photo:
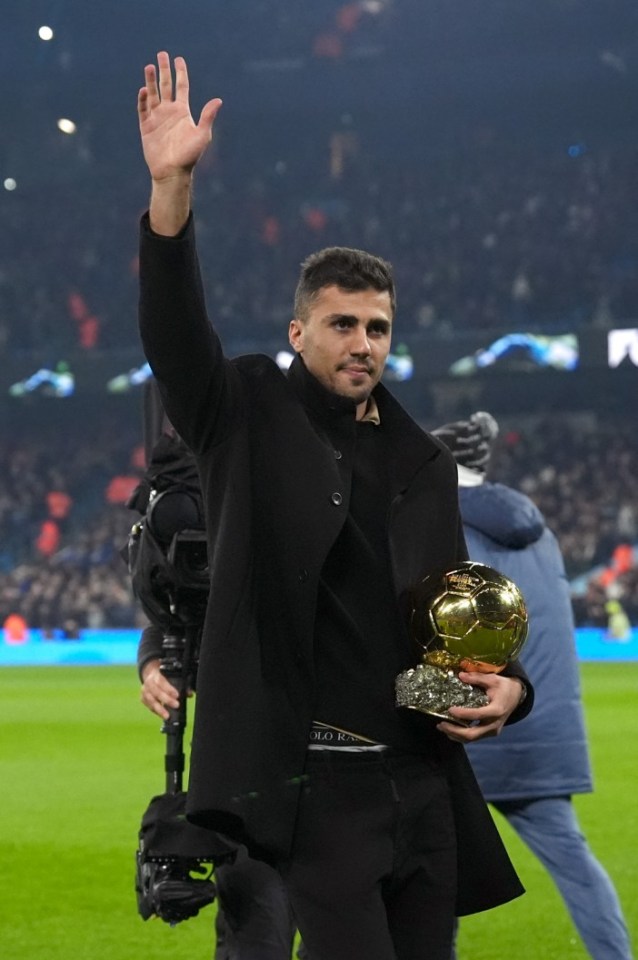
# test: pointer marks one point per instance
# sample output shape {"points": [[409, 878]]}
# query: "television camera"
{"points": [[174, 859]]}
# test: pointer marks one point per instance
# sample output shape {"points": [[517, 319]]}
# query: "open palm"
{"points": [[171, 140]]}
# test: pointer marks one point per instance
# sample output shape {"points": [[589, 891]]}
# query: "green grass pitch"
{"points": [[80, 759]]}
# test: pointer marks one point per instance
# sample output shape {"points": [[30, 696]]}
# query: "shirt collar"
{"points": [[372, 414]]}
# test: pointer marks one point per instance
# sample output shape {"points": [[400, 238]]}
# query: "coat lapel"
{"points": [[409, 447]]}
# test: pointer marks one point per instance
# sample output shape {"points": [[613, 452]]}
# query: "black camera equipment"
{"points": [[175, 859]]}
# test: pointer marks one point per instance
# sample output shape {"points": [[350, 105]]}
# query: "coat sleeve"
{"points": [[201, 390], [149, 647], [515, 669]]}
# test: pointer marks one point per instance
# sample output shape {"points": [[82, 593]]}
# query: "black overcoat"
{"points": [[275, 476]]}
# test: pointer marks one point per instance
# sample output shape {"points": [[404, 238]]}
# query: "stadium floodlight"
{"points": [[66, 125]]}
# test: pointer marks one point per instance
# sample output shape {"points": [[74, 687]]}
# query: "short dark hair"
{"points": [[343, 267]]}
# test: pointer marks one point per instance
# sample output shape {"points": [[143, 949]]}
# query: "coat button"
{"points": [[338, 455], [337, 499], [302, 576]]}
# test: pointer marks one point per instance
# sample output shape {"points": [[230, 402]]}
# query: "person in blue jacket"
{"points": [[532, 770]]}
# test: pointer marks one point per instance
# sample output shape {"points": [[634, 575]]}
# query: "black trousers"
{"points": [[254, 919], [372, 875]]}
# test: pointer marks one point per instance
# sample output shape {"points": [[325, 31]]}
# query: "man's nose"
{"points": [[360, 344]]}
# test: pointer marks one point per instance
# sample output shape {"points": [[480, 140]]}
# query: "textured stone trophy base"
{"points": [[433, 690]]}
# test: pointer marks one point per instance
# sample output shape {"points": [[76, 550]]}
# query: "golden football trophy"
{"points": [[470, 618]]}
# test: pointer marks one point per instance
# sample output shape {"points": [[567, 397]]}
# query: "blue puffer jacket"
{"points": [[546, 754]]}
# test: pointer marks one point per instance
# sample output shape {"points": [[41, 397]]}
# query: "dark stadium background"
{"points": [[487, 148]]}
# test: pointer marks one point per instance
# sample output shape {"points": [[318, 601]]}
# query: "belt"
{"points": [[324, 736]]}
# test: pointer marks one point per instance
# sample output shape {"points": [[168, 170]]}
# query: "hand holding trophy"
{"points": [[470, 618]]}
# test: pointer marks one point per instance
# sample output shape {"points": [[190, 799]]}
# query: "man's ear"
{"points": [[295, 335]]}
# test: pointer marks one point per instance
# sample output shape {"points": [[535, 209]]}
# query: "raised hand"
{"points": [[171, 140]]}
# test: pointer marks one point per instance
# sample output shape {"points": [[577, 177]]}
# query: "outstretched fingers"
{"points": [[165, 76], [181, 80], [172, 142], [148, 96], [150, 79], [142, 104], [208, 114]]}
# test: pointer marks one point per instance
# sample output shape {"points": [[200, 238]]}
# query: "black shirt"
{"points": [[361, 642]]}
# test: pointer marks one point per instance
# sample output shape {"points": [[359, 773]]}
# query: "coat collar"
{"points": [[409, 448], [323, 403]]}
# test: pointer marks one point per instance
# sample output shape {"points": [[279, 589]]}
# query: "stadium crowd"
{"points": [[63, 522], [581, 473], [502, 237], [62, 525]]}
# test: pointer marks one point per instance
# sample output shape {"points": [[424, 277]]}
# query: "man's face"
{"points": [[345, 340]]}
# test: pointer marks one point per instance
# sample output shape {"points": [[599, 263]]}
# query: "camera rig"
{"points": [[174, 859]]}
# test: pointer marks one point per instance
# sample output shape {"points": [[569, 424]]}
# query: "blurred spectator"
{"points": [[15, 629]]}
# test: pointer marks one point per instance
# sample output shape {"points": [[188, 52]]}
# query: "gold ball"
{"points": [[472, 617]]}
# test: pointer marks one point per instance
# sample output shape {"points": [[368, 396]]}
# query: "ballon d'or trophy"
{"points": [[471, 618]]}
